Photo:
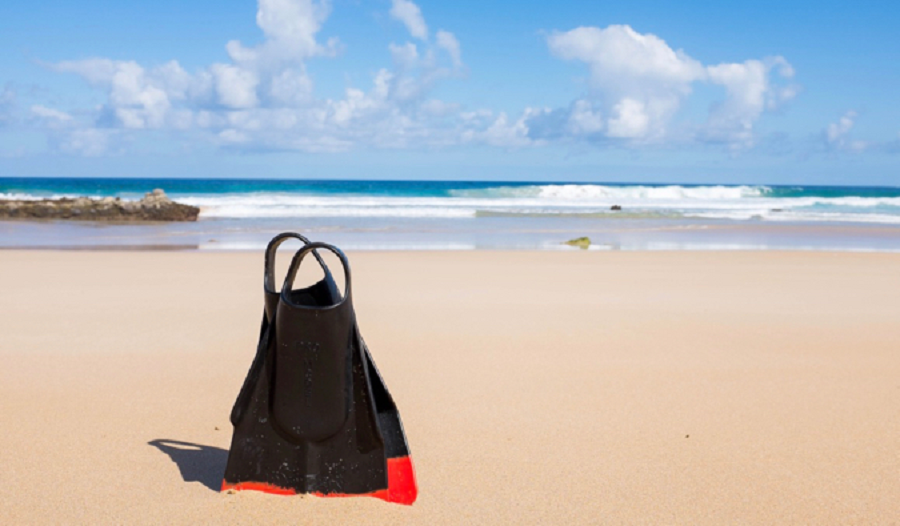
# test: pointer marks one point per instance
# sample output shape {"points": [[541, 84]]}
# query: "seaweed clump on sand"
{"points": [[580, 242], [154, 206]]}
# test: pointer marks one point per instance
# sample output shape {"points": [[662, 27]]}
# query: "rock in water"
{"points": [[155, 206], [580, 242]]}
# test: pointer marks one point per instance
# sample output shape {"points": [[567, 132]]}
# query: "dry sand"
{"points": [[576, 387]]}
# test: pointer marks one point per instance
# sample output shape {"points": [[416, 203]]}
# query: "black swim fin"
{"points": [[314, 415]]}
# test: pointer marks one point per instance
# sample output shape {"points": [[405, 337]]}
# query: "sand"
{"points": [[536, 387]]}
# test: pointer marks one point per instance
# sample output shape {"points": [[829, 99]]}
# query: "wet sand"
{"points": [[536, 387]]}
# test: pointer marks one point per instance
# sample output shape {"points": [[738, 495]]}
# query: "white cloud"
{"points": [[66, 135], [837, 130], [88, 142], [272, 72], [97, 71], [639, 80], [235, 86], [750, 92], [232, 136], [448, 42], [641, 83], [837, 135], [138, 102], [291, 87], [631, 119], [137, 98], [502, 131], [622, 59], [290, 27], [405, 56], [584, 119], [417, 70], [263, 97], [409, 13], [438, 108], [50, 113]]}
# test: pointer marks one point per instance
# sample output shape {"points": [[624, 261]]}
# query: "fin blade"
{"points": [[402, 487]]}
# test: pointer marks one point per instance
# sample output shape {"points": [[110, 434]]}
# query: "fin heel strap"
{"points": [[298, 259]]}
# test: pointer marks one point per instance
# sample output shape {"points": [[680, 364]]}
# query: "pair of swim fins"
{"points": [[314, 415]]}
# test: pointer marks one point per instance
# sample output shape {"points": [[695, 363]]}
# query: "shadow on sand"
{"points": [[197, 463]]}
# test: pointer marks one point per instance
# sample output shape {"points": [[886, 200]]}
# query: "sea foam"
{"points": [[449, 200]]}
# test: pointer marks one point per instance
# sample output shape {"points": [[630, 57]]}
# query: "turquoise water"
{"points": [[242, 214], [135, 187]]}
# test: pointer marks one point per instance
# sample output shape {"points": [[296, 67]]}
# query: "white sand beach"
{"points": [[535, 387]]}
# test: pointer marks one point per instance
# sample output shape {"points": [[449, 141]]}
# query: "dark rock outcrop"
{"points": [[155, 206]]}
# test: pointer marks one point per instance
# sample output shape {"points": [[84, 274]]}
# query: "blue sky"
{"points": [[761, 92]]}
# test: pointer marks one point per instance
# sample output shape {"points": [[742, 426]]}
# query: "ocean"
{"points": [[392, 215]]}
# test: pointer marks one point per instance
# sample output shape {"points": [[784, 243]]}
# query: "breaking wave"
{"points": [[580, 192], [582, 200], [470, 201]]}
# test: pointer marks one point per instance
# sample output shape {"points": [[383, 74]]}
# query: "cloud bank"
{"points": [[638, 83], [263, 97]]}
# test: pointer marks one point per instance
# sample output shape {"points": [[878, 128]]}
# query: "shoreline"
{"points": [[453, 234]]}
